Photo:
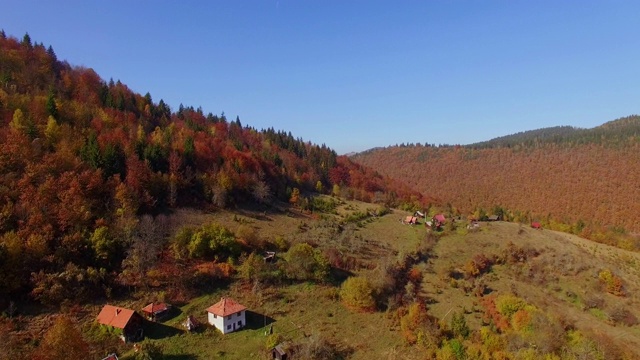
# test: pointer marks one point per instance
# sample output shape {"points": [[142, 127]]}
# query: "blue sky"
{"points": [[360, 74]]}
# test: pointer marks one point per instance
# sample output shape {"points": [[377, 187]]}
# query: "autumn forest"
{"points": [[82, 158]]}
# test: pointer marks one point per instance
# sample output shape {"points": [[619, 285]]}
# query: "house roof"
{"points": [[111, 357], [155, 308], [226, 306], [115, 316], [440, 218]]}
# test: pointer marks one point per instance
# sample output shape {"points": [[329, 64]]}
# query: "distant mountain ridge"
{"points": [[615, 130]]}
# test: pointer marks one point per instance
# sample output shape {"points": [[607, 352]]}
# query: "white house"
{"points": [[227, 315]]}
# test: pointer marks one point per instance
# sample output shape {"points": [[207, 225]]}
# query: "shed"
{"points": [[227, 315], [283, 351], [127, 321], [156, 311], [494, 218], [536, 225]]}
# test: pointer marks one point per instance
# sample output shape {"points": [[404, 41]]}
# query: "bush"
{"points": [[459, 327], [272, 341], [612, 283], [303, 262], [319, 348], [209, 240], [508, 305], [357, 292], [621, 315]]}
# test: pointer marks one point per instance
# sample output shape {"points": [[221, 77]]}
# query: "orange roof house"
{"points": [[155, 311], [226, 306], [126, 320], [227, 315]]}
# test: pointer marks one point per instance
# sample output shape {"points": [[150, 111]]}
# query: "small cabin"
{"points": [[126, 322], [156, 311]]}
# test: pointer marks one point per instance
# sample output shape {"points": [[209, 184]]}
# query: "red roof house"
{"points": [[227, 315], [438, 221], [536, 225], [127, 320], [155, 311]]}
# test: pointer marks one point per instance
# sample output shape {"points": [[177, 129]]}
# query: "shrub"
{"points": [[621, 315], [357, 292], [459, 327], [508, 305], [303, 262], [272, 340], [319, 348], [521, 320], [612, 283]]}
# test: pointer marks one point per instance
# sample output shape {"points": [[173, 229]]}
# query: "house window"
{"points": [[215, 316], [229, 317], [228, 327], [239, 323], [238, 314]]}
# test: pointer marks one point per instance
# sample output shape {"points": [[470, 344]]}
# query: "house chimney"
{"points": [[118, 311]]}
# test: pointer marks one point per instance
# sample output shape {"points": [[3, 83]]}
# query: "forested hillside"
{"points": [[81, 159], [585, 179]]}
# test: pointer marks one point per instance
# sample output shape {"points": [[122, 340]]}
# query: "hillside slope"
{"points": [[570, 181], [81, 159]]}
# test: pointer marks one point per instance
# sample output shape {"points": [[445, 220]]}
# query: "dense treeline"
{"points": [[613, 133], [588, 183], [81, 159]]}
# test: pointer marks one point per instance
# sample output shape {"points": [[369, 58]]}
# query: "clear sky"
{"points": [[359, 74]]}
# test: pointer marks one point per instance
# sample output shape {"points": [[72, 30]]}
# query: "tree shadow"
{"points": [[257, 321], [171, 314], [154, 330], [338, 276]]}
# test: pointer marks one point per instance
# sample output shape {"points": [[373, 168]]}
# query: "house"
{"points": [[190, 323], [494, 218], [126, 321], [418, 214], [410, 220], [227, 315], [156, 311], [438, 221], [536, 225]]}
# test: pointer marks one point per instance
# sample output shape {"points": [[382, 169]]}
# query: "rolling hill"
{"points": [[583, 178]]}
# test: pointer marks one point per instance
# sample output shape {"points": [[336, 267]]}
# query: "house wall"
{"points": [[216, 321], [226, 324]]}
